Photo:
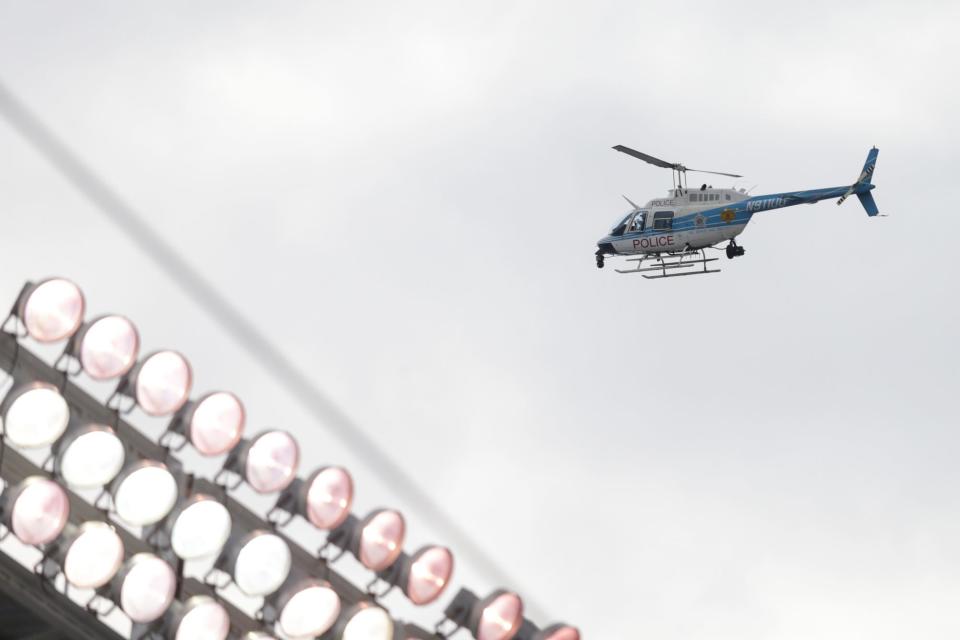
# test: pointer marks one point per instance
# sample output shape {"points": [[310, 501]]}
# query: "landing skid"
{"points": [[672, 262]]}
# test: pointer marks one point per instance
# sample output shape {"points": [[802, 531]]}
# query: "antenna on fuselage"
{"points": [[632, 204], [678, 171]]}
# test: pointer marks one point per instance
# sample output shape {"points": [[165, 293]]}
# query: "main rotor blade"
{"points": [[646, 158], [716, 173]]}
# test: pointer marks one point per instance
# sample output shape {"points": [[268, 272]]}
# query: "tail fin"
{"points": [[864, 184], [867, 174], [866, 199]]}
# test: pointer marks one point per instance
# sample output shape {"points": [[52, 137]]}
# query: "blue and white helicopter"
{"points": [[671, 234]]}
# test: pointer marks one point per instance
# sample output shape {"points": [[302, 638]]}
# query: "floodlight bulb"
{"points": [[368, 623], [38, 510], [145, 493], [381, 539], [310, 611], [500, 618], [52, 310], [91, 458], [430, 572], [147, 589], [216, 424], [329, 496], [203, 619], [262, 564], [35, 416], [94, 556], [271, 461], [163, 383], [108, 347], [200, 529]]}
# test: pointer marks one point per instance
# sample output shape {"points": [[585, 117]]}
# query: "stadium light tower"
{"points": [[170, 516]]}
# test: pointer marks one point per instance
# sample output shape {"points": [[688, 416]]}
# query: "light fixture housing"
{"points": [[144, 588], [213, 424], [144, 493], [499, 616], [160, 383], [308, 608], [199, 618], [259, 562], [36, 510], [106, 347], [364, 621], [324, 498], [268, 462], [557, 632], [199, 527], [378, 540], [88, 456], [425, 575], [91, 555], [51, 310], [34, 415]]}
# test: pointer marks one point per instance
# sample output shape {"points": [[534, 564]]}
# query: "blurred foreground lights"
{"points": [[34, 415], [425, 576], [145, 587], [51, 310], [558, 632], [36, 510], [199, 527], [365, 621], [259, 563], [161, 383], [200, 618], [92, 555], [326, 496], [89, 456], [144, 493], [214, 424], [380, 542], [269, 461], [497, 617], [307, 609], [107, 347]]}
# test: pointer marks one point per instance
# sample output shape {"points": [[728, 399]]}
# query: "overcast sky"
{"points": [[407, 197]]}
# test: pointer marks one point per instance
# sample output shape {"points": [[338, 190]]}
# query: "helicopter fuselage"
{"points": [[691, 219], [671, 235]]}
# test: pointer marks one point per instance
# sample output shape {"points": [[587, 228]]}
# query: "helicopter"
{"points": [[671, 235]]}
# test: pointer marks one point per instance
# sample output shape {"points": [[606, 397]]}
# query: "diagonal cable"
{"points": [[204, 294]]}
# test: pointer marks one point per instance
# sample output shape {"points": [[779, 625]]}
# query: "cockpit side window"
{"points": [[663, 220], [638, 221]]}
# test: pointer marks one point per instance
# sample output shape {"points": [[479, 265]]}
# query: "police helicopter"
{"points": [[671, 235]]}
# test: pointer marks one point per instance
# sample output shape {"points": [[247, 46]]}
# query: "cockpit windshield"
{"points": [[619, 228], [631, 223]]}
